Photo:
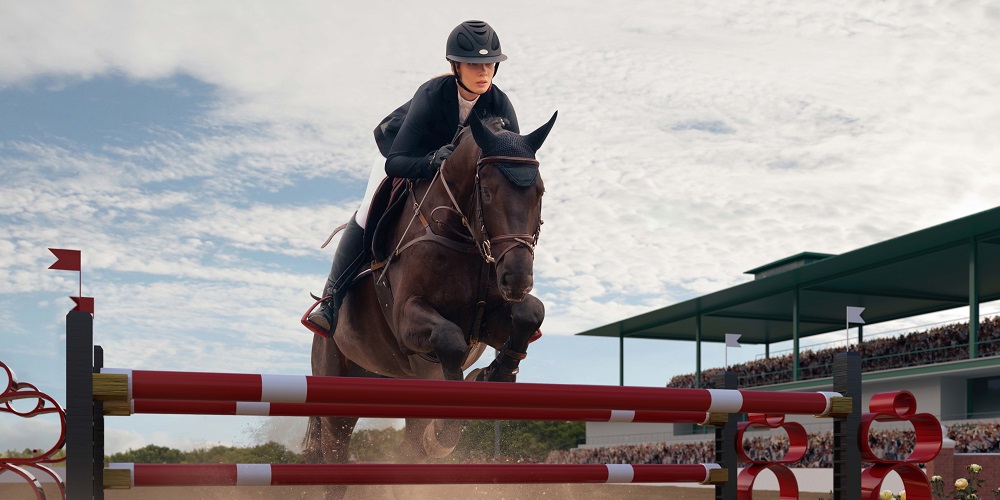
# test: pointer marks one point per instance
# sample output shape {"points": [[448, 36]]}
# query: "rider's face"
{"points": [[477, 77]]}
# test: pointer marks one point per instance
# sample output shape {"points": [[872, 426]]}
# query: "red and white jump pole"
{"points": [[201, 386], [181, 407], [367, 474]]}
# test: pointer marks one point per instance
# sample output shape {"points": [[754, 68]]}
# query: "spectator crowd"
{"points": [[936, 345], [889, 444], [976, 437]]}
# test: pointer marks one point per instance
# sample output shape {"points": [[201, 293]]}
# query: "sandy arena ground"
{"points": [[447, 492]]}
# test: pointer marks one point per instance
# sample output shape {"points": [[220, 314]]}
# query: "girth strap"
{"points": [[485, 278]]}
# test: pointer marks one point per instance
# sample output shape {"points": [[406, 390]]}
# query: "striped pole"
{"points": [[170, 407], [141, 384], [126, 475]]}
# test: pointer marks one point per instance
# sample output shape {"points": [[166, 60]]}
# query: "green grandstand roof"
{"points": [[918, 273]]}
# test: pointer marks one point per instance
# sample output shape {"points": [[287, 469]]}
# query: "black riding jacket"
{"points": [[410, 135]]}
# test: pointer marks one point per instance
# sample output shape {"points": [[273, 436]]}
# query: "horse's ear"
{"points": [[536, 138], [482, 134]]}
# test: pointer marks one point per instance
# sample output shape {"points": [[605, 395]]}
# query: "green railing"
{"points": [[820, 365]]}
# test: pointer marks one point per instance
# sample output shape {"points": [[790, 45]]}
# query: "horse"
{"points": [[455, 278]]}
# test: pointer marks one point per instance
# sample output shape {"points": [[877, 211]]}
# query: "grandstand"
{"points": [[953, 369]]}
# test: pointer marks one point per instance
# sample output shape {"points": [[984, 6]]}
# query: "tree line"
{"points": [[522, 440]]}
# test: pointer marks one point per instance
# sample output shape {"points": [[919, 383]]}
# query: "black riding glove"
{"points": [[435, 159]]}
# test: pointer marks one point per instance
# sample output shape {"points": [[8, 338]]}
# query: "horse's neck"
{"points": [[462, 177]]}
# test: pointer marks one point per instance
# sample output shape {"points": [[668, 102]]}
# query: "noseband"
{"points": [[484, 242]]}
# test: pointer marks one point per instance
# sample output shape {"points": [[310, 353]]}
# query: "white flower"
{"points": [[885, 495], [975, 468], [902, 494], [936, 479]]}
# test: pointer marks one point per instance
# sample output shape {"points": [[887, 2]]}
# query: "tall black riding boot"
{"points": [[346, 261]]}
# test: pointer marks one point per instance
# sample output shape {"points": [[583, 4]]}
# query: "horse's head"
{"points": [[504, 207]]}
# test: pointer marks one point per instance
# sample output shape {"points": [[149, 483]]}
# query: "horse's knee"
{"points": [[527, 316], [448, 343]]}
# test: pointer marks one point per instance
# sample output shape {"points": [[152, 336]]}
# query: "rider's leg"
{"points": [[350, 254], [346, 261], [375, 179]]}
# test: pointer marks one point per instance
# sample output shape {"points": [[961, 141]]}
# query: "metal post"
{"points": [[621, 355], [861, 336], [496, 439], [795, 335], [79, 406], [98, 433], [846, 454], [973, 300], [725, 441], [697, 351]]}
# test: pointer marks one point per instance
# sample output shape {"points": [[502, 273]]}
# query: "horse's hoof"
{"points": [[433, 446]]}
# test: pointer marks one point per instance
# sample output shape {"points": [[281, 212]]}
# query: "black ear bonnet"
{"points": [[493, 140], [507, 143]]}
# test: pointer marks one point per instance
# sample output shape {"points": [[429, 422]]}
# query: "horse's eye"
{"points": [[487, 197]]}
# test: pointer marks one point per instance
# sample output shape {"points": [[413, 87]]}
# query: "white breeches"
{"points": [[377, 174]]}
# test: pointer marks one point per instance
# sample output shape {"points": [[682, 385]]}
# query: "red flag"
{"points": [[84, 304], [66, 260]]}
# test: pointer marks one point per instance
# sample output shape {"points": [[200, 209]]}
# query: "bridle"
{"points": [[482, 239]]}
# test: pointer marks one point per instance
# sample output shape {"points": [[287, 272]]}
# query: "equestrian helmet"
{"points": [[474, 42]]}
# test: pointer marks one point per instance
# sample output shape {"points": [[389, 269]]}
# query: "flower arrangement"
{"points": [[887, 495], [965, 488]]}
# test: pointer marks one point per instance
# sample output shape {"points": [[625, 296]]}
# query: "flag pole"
{"points": [[847, 329], [732, 340], [853, 316]]}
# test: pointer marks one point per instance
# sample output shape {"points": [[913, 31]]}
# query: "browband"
{"points": [[506, 159]]}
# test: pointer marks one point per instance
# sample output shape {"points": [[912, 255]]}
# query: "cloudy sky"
{"points": [[200, 152]]}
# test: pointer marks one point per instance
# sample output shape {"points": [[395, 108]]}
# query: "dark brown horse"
{"points": [[457, 278]]}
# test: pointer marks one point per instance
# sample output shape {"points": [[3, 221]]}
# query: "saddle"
{"points": [[386, 205]]}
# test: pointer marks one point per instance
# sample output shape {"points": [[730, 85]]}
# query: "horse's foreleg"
{"points": [[422, 329], [525, 319]]}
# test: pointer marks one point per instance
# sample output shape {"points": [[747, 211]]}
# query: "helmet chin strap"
{"points": [[467, 89]]}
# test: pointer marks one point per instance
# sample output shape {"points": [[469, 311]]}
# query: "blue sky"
{"points": [[200, 152]]}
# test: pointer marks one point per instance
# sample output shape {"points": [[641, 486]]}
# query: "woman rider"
{"points": [[416, 139]]}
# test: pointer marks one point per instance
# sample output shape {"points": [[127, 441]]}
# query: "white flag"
{"points": [[733, 339], [854, 315]]}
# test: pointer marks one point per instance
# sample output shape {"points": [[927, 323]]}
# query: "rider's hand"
{"points": [[438, 157]]}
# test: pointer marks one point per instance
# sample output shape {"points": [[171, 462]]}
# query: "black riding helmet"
{"points": [[473, 42]]}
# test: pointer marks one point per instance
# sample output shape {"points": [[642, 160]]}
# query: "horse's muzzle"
{"points": [[515, 287]]}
